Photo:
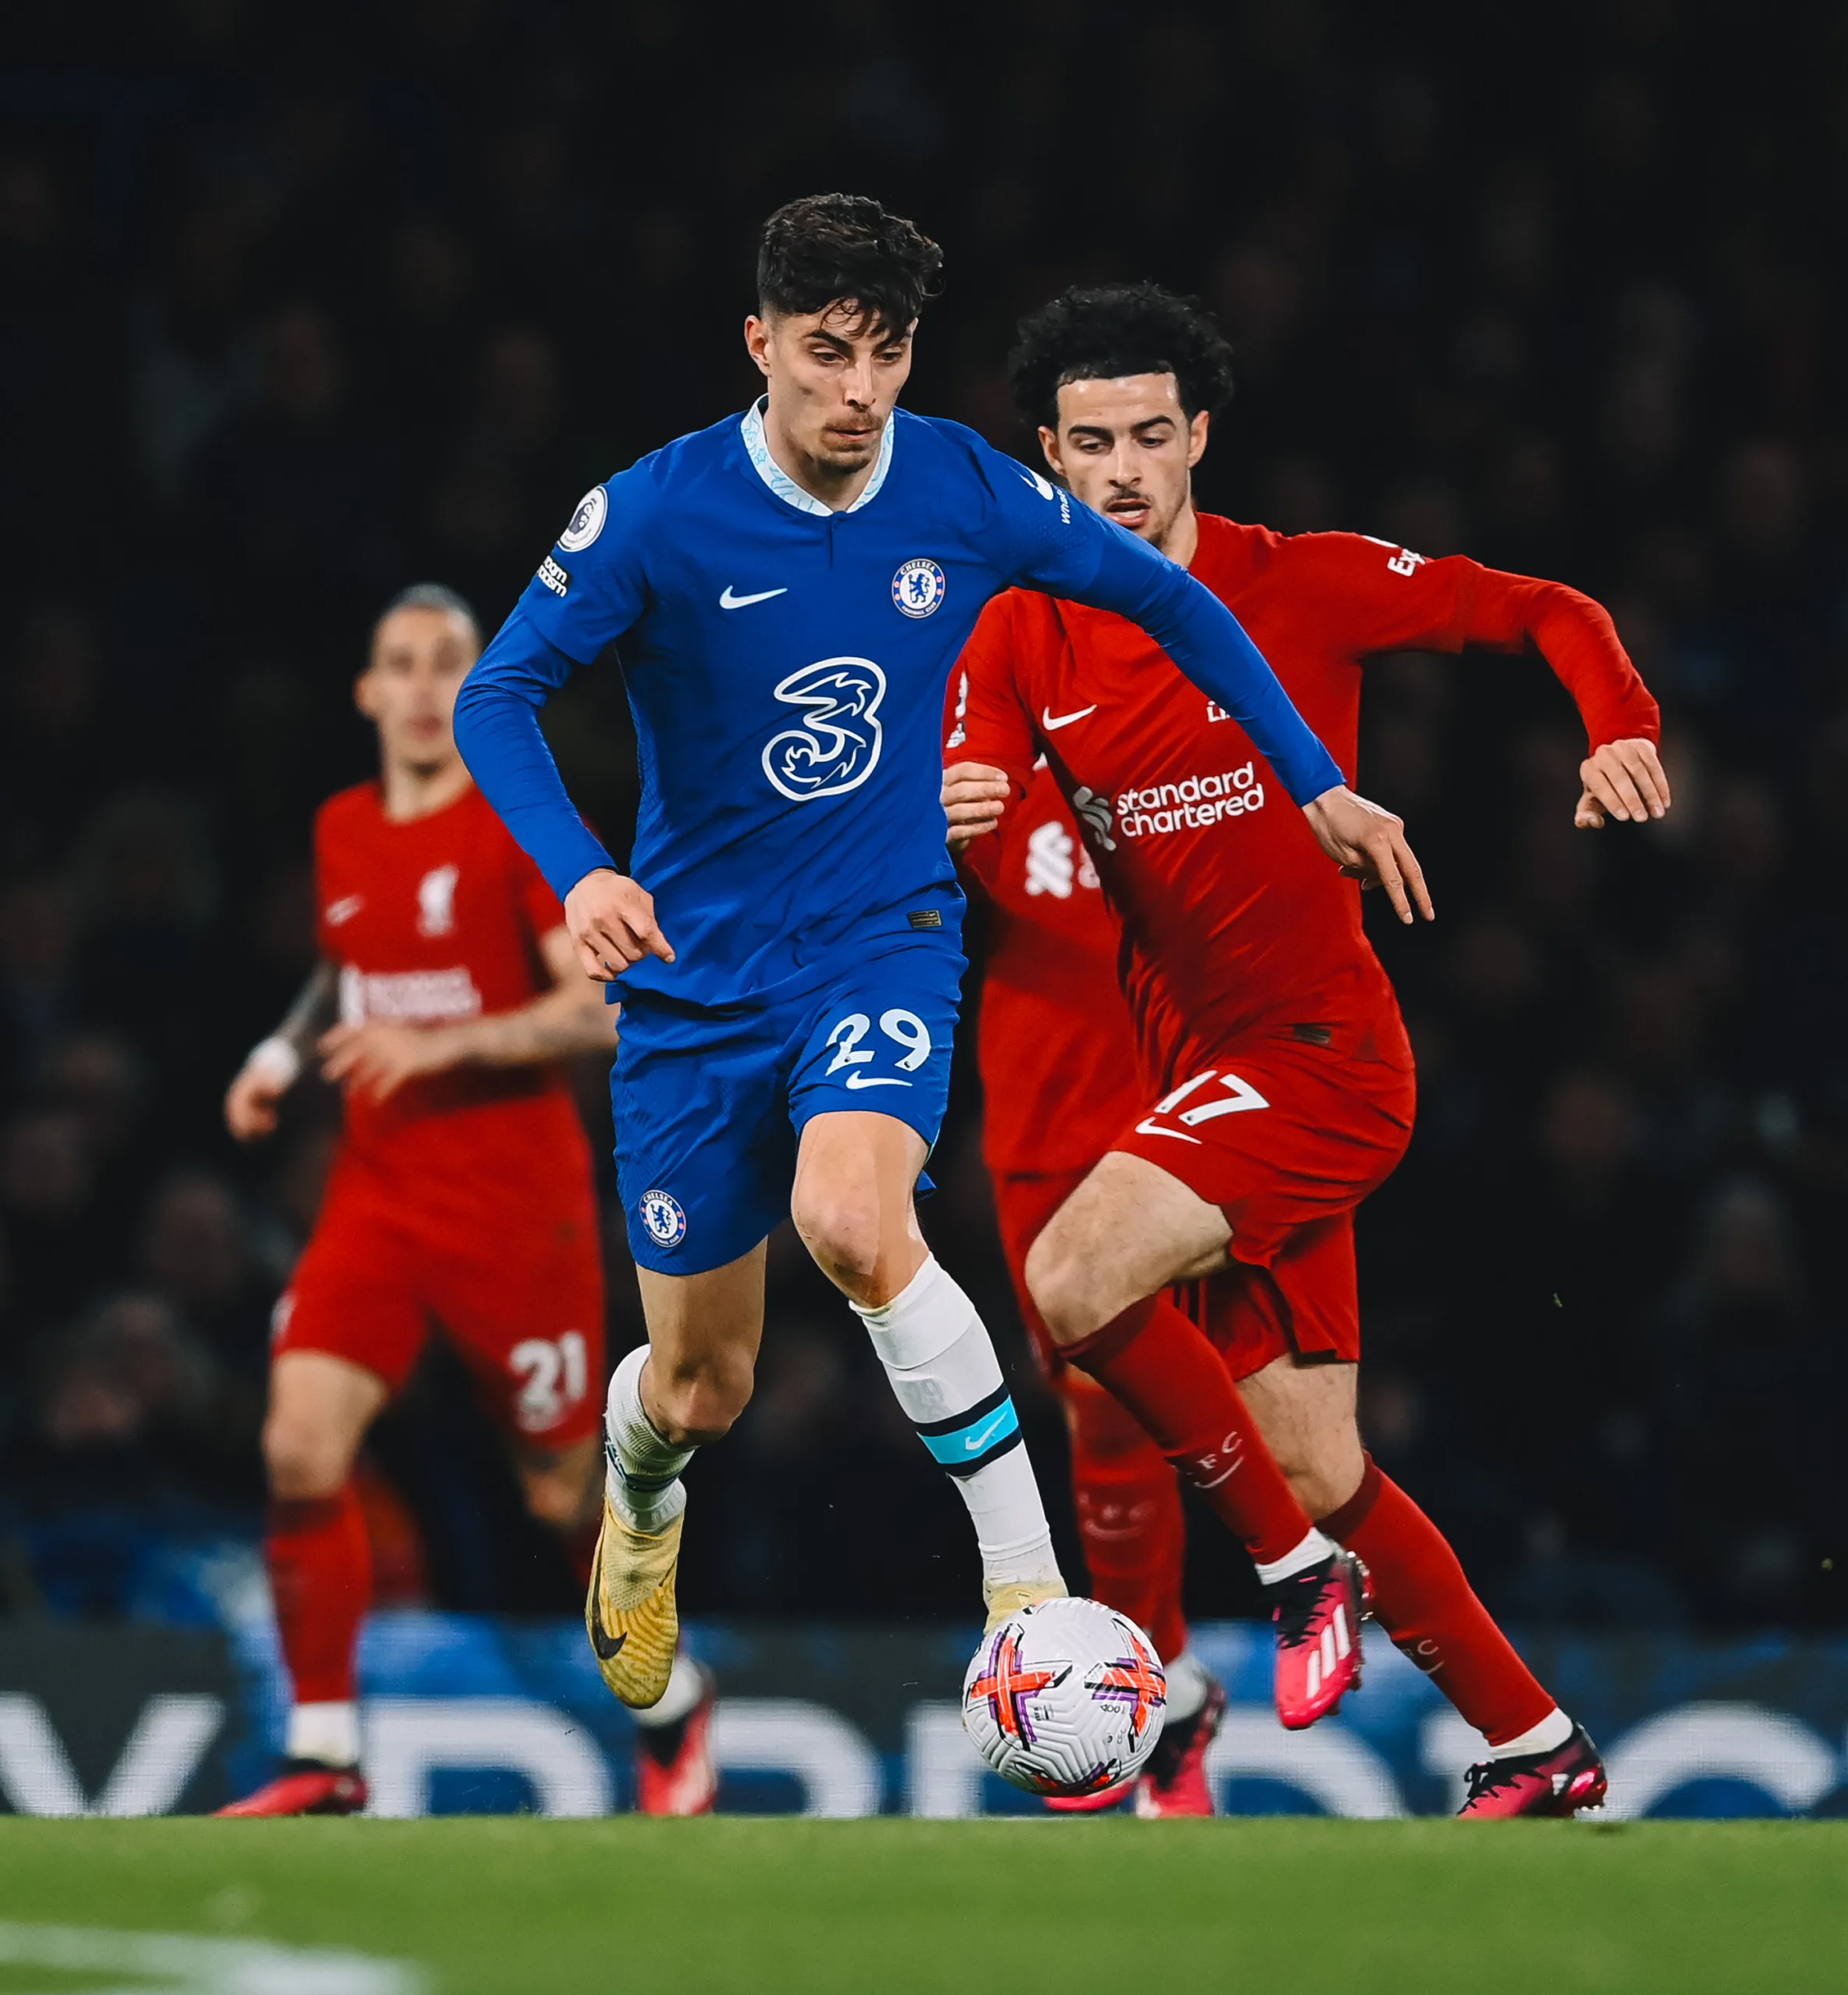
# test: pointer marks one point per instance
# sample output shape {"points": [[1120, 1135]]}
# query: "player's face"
{"points": [[834, 377], [419, 659], [1128, 450]]}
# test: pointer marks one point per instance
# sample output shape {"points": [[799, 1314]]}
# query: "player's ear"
{"points": [[1196, 436], [757, 342], [363, 693], [1049, 450]]}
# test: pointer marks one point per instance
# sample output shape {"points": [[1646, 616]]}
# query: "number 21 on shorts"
{"points": [[553, 1374], [1237, 1097], [905, 1029]]}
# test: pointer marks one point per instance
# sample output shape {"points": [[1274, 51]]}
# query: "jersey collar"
{"points": [[757, 446]]}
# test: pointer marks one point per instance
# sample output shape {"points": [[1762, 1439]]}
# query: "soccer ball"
{"points": [[1067, 1697]]}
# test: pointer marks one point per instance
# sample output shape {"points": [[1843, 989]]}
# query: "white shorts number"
{"points": [[554, 1375], [847, 1035], [905, 1029], [1239, 1097], [912, 1033]]}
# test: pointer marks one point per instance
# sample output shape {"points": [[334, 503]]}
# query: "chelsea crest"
{"points": [[662, 1215], [917, 588]]}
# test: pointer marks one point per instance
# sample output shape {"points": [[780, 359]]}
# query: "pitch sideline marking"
{"points": [[189, 1964]]}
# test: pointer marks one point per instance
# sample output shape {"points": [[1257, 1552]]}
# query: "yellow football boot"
{"points": [[1011, 1595], [633, 1624]]}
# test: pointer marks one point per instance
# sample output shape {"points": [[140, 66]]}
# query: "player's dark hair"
{"points": [[433, 595], [829, 248], [1104, 332]]}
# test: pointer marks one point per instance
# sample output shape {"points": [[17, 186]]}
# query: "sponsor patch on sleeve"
{"points": [[556, 576]]}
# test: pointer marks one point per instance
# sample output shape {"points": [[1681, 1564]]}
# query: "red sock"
{"points": [[1128, 1515], [320, 1572], [1165, 1371], [1425, 1604]]}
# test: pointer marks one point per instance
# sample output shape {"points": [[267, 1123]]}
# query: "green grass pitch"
{"points": [[505, 1906]]}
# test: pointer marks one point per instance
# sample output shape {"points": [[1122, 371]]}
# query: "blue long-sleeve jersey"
{"points": [[786, 664]]}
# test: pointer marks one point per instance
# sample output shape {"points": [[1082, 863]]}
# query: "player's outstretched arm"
{"points": [[270, 1069], [1390, 600], [377, 1058], [1209, 644], [497, 730], [1369, 845]]}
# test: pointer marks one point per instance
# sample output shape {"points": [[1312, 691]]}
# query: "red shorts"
{"points": [[519, 1296], [1286, 1135]]}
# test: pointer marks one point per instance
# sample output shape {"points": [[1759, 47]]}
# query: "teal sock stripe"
{"points": [[970, 1440], [643, 1486]]}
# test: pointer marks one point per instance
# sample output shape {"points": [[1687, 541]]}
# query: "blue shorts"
{"points": [[710, 1100]]}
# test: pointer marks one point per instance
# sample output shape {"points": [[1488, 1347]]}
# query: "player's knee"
{"points": [[304, 1460], [1061, 1289], [842, 1230], [1322, 1472], [693, 1404]]}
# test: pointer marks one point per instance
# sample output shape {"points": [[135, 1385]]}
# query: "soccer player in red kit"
{"points": [[462, 1195], [1278, 1085]]}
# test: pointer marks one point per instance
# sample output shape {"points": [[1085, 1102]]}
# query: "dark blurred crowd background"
{"points": [[298, 306]]}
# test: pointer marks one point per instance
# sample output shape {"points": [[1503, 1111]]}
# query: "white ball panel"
{"points": [[1065, 1698]]}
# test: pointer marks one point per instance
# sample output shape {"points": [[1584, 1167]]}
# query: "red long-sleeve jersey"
{"points": [[1231, 917], [1053, 1040], [427, 921]]}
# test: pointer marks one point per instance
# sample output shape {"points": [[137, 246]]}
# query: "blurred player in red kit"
{"points": [[1261, 1083], [462, 1195]]}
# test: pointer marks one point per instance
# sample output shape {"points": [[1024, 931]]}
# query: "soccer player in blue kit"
{"points": [[787, 591]]}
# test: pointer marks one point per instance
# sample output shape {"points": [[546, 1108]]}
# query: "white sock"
{"points": [[642, 1471], [1311, 1552], [328, 1732], [1547, 1736], [1187, 1681], [685, 1688], [937, 1354]]}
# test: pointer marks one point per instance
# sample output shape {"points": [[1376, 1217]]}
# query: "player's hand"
{"points": [[1369, 845], [376, 1059], [252, 1104], [612, 920], [1624, 780], [974, 797]]}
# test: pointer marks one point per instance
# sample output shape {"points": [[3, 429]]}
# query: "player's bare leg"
{"points": [[1096, 1273], [852, 1204], [682, 1389], [1306, 1410], [320, 1574], [559, 1484]]}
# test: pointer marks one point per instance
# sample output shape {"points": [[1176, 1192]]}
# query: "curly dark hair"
{"points": [[826, 248], [1099, 332]]}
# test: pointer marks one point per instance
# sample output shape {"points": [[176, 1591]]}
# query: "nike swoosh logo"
{"points": [[728, 601], [1152, 1128], [972, 1442], [1052, 723], [873, 1081], [604, 1645]]}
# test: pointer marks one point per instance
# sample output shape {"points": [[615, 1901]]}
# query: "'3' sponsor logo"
{"points": [[835, 746]]}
